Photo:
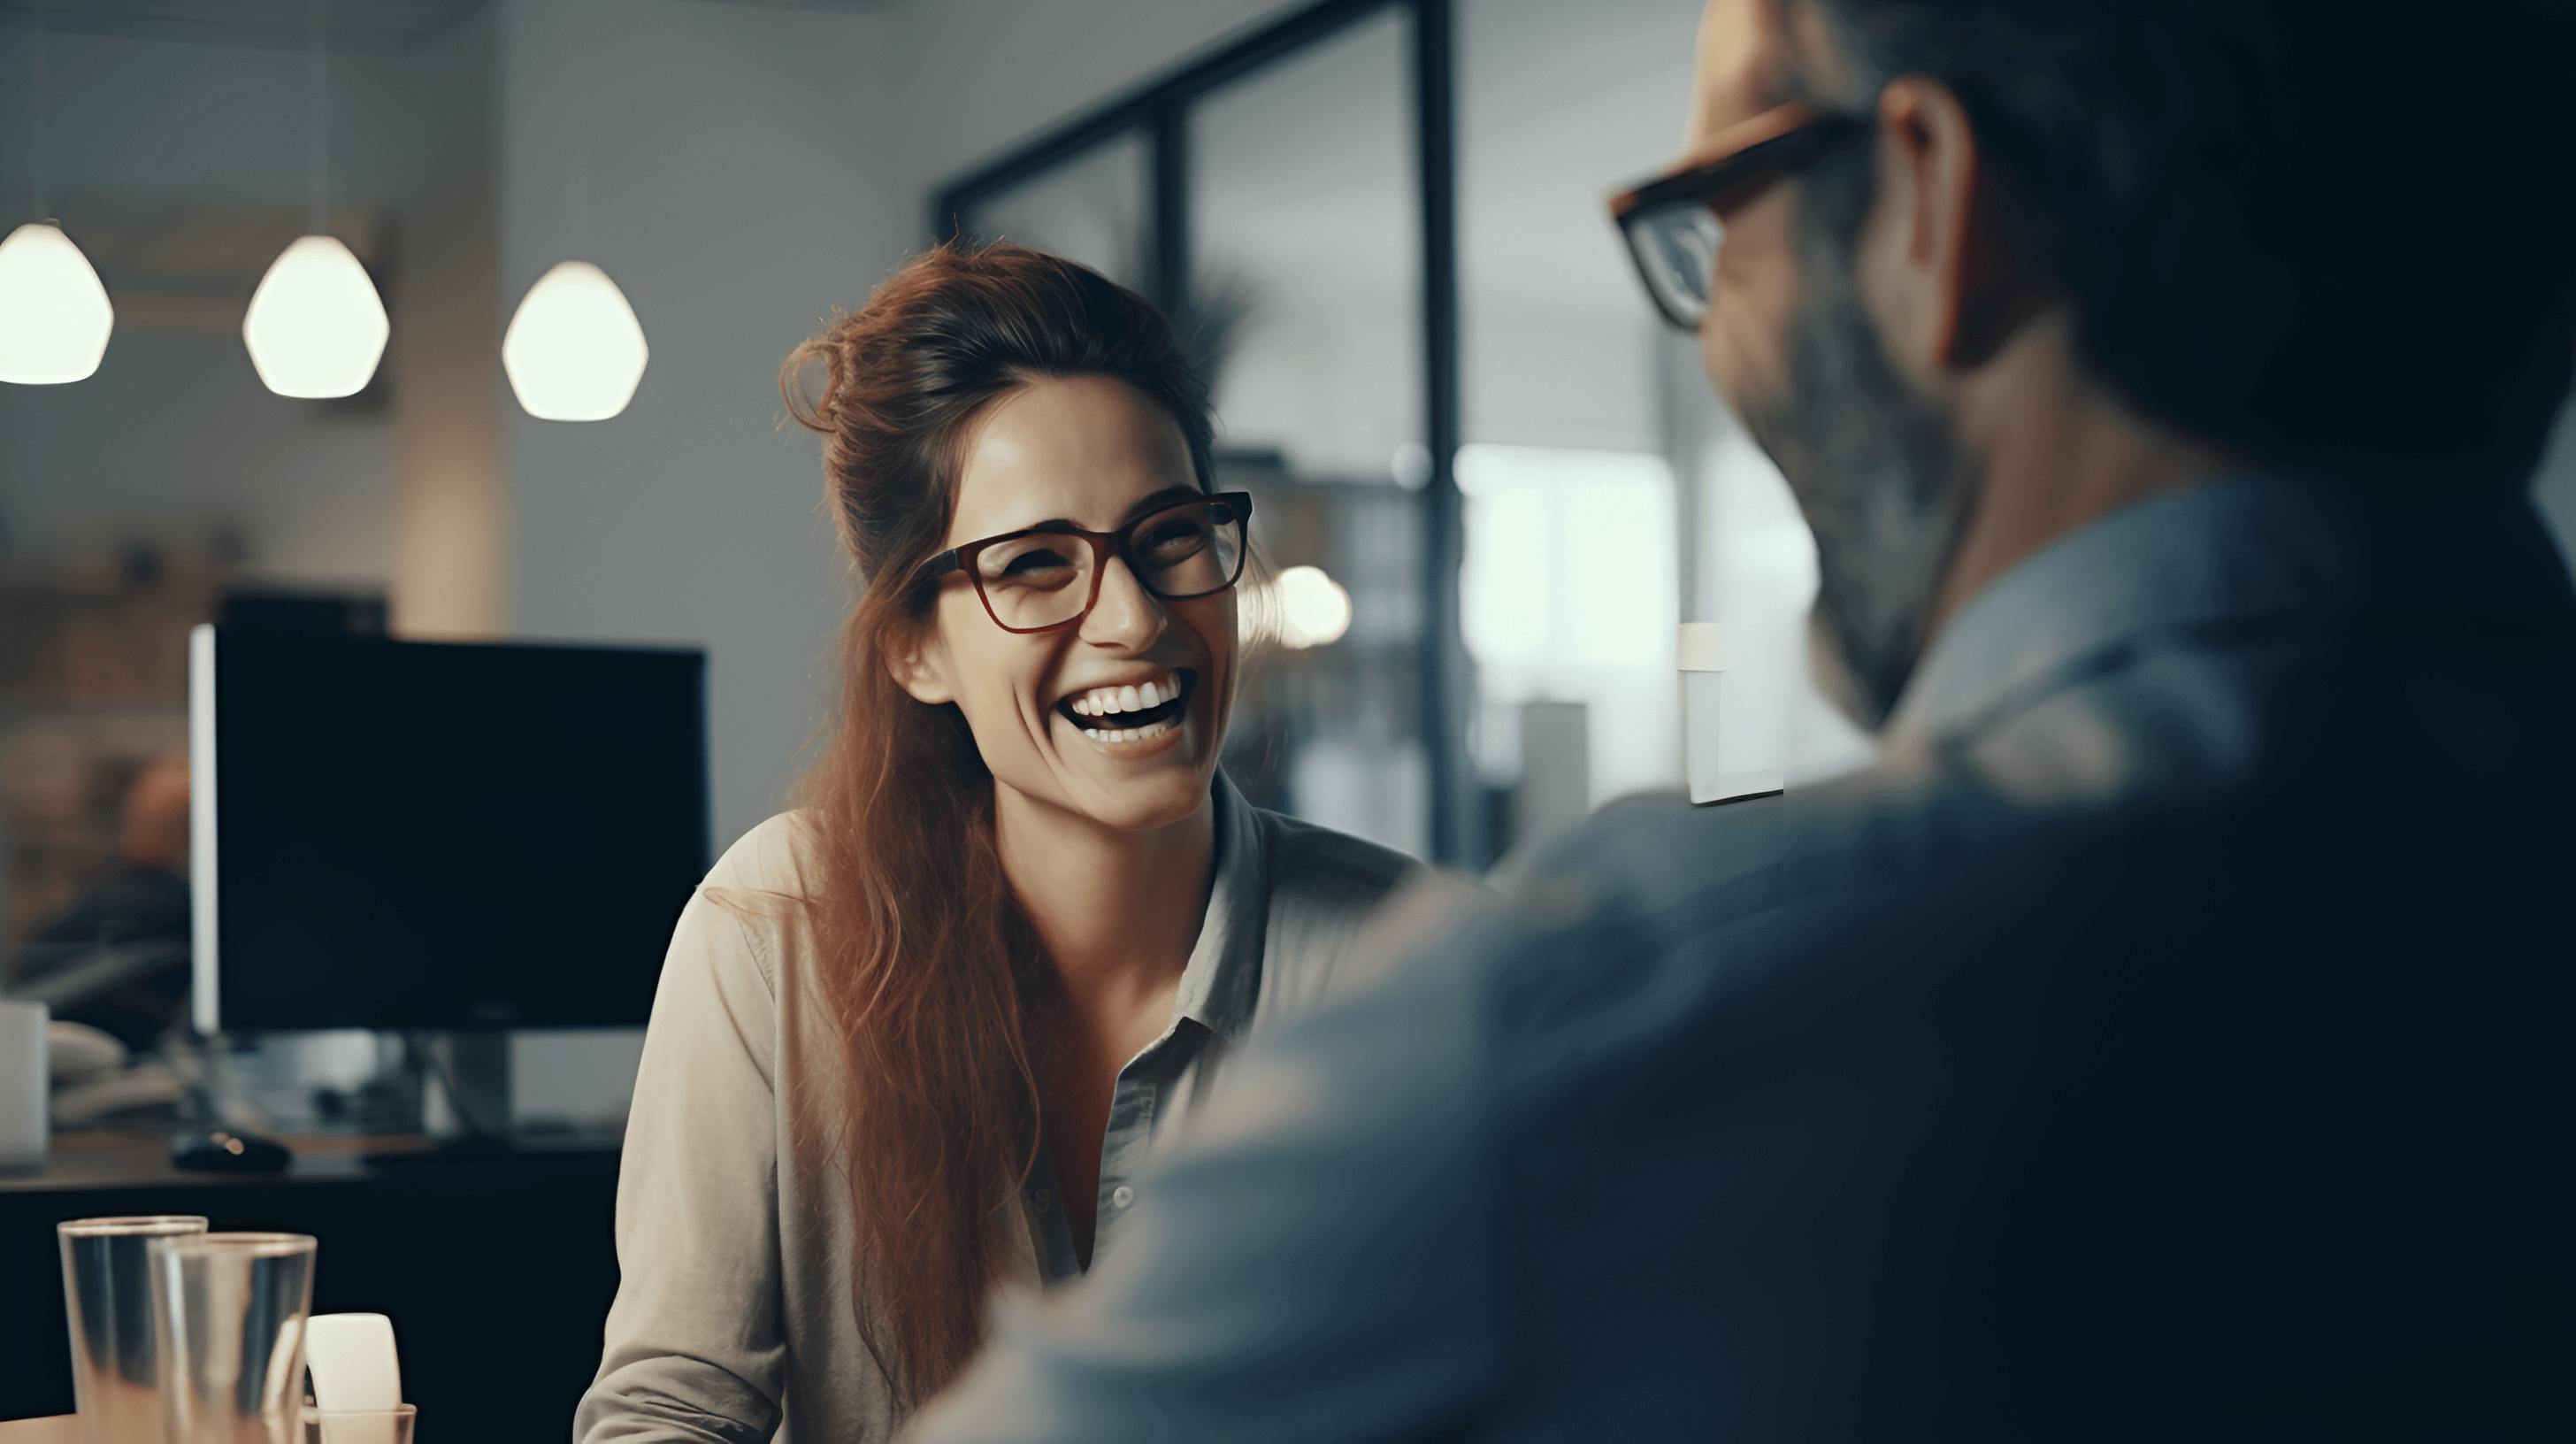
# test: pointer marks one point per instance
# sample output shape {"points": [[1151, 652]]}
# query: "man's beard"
{"points": [[1878, 472]]}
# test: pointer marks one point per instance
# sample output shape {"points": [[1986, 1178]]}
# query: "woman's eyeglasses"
{"points": [[1047, 578], [1672, 224]]}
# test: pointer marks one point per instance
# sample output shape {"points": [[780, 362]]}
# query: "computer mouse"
{"points": [[219, 1151]]}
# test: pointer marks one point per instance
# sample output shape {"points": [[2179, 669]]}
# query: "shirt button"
{"points": [[1121, 1196], [1038, 1197]]}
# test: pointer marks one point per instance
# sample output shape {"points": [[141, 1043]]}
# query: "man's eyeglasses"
{"points": [[1047, 578], [1672, 224]]}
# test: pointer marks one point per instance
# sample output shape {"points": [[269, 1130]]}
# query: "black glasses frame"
{"points": [[1749, 156], [1105, 545]]}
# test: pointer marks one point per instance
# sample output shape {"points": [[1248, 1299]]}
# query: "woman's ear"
{"points": [[919, 665]]}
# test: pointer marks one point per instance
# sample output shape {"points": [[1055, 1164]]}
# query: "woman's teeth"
{"points": [[1116, 736], [1118, 716], [1111, 701]]}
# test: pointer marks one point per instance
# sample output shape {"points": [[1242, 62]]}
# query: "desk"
{"points": [[497, 1273], [60, 1429]]}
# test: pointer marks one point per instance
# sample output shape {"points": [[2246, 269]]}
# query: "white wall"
{"points": [[451, 518], [724, 164], [175, 428], [308, 498], [721, 163]]}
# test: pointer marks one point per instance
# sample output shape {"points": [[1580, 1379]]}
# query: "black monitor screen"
{"points": [[432, 836]]}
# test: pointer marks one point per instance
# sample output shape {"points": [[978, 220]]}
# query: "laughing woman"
{"points": [[914, 1039]]}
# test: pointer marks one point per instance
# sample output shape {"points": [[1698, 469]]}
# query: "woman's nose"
{"points": [[1126, 616]]}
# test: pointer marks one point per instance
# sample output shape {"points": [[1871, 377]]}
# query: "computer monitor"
{"points": [[438, 837]]}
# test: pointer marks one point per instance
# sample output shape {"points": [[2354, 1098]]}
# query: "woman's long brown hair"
{"points": [[931, 972]]}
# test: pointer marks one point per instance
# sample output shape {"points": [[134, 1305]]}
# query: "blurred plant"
{"points": [[1213, 317]]}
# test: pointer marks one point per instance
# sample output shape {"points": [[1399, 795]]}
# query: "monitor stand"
{"points": [[462, 1081]]}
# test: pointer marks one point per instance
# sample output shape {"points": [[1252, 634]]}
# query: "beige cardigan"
{"points": [[735, 1319]]}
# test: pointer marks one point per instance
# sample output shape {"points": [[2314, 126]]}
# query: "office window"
{"points": [[1305, 250], [1570, 587], [1091, 208], [1568, 375]]}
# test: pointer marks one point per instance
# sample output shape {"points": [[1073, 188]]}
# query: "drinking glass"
{"points": [[107, 1301], [231, 1309], [358, 1426]]}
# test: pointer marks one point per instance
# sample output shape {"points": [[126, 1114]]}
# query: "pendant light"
{"points": [[1314, 610], [316, 327], [574, 350], [54, 315]]}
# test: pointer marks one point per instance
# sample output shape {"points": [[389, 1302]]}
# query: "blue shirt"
{"points": [[2163, 1039]]}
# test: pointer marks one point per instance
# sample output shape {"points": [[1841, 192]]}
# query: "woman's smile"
{"points": [[1131, 719]]}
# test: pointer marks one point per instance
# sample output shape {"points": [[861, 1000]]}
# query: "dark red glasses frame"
{"points": [[1104, 546]]}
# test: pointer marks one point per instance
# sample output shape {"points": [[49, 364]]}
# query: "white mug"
{"points": [[25, 1124]]}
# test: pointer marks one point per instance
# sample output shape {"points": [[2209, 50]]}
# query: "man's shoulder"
{"points": [[1657, 854], [1592, 934], [1657, 909], [1658, 870], [1319, 866]]}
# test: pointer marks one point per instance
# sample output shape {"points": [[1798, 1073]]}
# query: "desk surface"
{"points": [[60, 1429], [86, 1162], [83, 1161]]}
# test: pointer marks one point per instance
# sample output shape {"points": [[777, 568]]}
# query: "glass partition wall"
{"points": [[1490, 484]]}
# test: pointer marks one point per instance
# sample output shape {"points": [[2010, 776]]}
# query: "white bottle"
{"points": [[1701, 654]]}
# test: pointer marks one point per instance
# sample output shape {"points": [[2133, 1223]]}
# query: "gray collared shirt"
{"points": [[1213, 1010], [2161, 1039], [736, 1318]]}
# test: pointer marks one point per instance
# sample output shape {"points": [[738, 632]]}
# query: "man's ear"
{"points": [[919, 665], [1962, 273]]}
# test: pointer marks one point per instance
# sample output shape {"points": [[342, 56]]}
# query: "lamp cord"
{"points": [[318, 83], [36, 123]]}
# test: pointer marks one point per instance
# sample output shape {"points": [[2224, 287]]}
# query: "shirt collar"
{"points": [[1222, 980], [2235, 547]]}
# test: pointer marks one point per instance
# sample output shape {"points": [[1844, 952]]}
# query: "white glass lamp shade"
{"points": [[54, 315], [574, 351], [1314, 610], [316, 327]]}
